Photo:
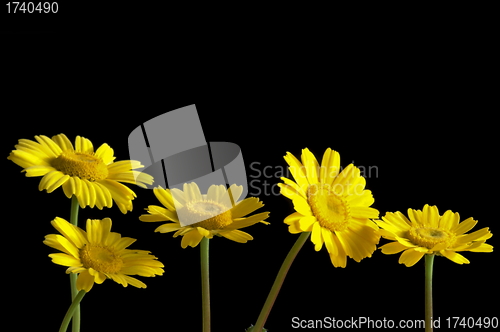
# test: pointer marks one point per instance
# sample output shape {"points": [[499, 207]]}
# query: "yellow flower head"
{"points": [[333, 205], [91, 176], [98, 253], [426, 232], [216, 213]]}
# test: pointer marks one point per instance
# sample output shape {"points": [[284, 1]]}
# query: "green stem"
{"points": [[278, 282], [205, 284], [429, 260], [72, 276], [69, 314]]}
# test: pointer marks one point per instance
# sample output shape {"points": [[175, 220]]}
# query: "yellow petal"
{"points": [[292, 218], [103, 195], [479, 235], [316, 236], [237, 236], [63, 142], [152, 217], [105, 229], [234, 191], [302, 206], [248, 221], [100, 196], [364, 212], [120, 193], [359, 241], [311, 166], [55, 150], [449, 220], [119, 278], [134, 282], [393, 248], [84, 281], [83, 144], [123, 243], [344, 180], [216, 192], [192, 239], [307, 222], [364, 198], [294, 187], [289, 191], [297, 170], [168, 228], [464, 226], [38, 170], [416, 217], [178, 197], [90, 188], [431, 216], [454, 257], [76, 235], [203, 231], [50, 179], [337, 253], [330, 166], [166, 214], [99, 277], [52, 240], [405, 242], [65, 259], [483, 247], [410, 257], [398, 221], [294, 228], [105, 152], [386, 234], [123, 166], [192, 191], [245, 207]]}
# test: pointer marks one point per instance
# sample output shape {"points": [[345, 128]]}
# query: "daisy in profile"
{"points": [[195, 216], [331, 204], [198, 217], [91, 176], [98, 254], [427, 232]]}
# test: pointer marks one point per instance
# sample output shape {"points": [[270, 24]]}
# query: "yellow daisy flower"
{"points": [[332, 204], [427, 232], [218, 215], [98, 253], [91, 176]]}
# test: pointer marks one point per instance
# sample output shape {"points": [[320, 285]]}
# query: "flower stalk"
{"points": [[73, 276], [429, 260], [278, 282], [205, 284], [71, 310]]}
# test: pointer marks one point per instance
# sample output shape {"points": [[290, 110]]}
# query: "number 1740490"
{"points": [[32, 7], [471, 322]]}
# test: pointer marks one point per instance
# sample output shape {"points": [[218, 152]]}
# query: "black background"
{"points": [[419, 113]]}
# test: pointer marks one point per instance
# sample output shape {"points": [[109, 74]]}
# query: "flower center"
{"points": [[102, 259], [80, 164], [207, 214], [331, 210], [429, 237]]}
